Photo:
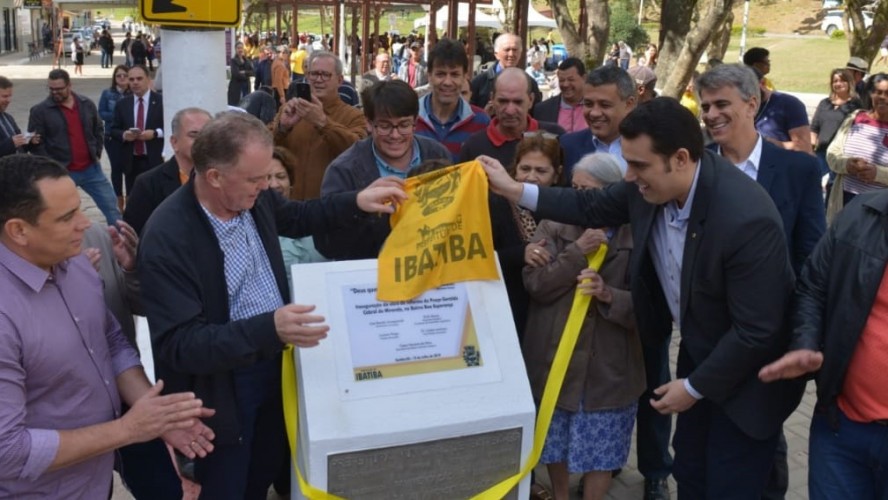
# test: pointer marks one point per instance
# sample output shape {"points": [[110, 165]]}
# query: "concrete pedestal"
{"points": [[442, 434]]}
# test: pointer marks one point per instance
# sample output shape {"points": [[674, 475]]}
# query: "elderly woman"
{"points": [[592, 426], [859, 154]]}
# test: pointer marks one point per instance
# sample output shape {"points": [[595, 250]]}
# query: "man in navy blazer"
{"points": [[143, 150], [608, 96], [712, 258], [729, 99]]}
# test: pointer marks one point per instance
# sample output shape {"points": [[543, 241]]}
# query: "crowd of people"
{"points": [[715, 226]]}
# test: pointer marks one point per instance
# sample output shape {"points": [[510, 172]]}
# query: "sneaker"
{"points": [[656, 489]]}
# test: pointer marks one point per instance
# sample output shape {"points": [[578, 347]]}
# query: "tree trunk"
{"points": [[591, 45], [574, 41], [675, 24], [697, 40], [721, 39], [508, 16], [862, 42], [599, 29]]}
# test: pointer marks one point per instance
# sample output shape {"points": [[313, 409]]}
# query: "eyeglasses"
{"points": [[320, 75], [57, 89], [385, 128]]}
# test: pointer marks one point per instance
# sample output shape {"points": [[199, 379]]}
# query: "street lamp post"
{"points": [[743, 33]]}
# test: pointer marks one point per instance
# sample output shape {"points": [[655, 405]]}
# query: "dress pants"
{"points": [[246, 470], [138, 167], [652, 428], [714, 459]]}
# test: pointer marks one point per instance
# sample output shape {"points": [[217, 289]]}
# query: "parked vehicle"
{"points": [[833, 21]]}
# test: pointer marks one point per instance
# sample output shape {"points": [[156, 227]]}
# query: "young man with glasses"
{"points": [[73, 135], [391, 150], [318, 130]]}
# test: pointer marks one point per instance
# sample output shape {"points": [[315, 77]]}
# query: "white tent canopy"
{"points": [[481, 19], [534, 18]]}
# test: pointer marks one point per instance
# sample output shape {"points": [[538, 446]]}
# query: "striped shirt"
{"points": [[867, 138]]}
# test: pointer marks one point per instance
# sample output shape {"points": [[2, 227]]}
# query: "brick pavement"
{"points": [[29, 78]]}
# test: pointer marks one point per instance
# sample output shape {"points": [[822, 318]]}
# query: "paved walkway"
{"points": [[30, 82]]}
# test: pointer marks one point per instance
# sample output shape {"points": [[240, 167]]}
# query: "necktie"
{"points": [[7, 127], [139, 148]]}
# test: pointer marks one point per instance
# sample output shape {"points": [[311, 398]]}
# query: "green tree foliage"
{"points": [[624, 25]]}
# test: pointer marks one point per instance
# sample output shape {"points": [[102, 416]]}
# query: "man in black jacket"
{"points": [[839, 335], [712, 258], [217, 299], [507, 49], [79, 151]]}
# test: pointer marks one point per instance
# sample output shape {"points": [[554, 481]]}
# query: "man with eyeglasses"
{"points": [[157, 184], [391, 150], [511, 99], [316, 131], [73, 134]]}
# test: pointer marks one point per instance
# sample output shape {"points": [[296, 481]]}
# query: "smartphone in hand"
{"points": [[303, 91]]}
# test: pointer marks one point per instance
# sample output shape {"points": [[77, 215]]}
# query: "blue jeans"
{"points": [[93, 181], [849, 462], [106, 59], [114, 148]]}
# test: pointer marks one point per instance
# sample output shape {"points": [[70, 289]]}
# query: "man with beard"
{"points": [[73, 135]]}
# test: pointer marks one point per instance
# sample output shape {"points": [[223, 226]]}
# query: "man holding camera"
{"points": [[316, 126]]}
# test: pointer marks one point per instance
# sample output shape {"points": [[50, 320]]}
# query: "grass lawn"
{"points": [[798, 64]]}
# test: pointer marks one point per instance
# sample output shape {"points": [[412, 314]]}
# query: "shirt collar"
{"points": [[498, 139], [383, 166], [33, 276], [754, 160], [599, 144], [681, 215]]}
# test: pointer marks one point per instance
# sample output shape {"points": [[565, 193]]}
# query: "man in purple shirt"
{"points": [[65, 365]]}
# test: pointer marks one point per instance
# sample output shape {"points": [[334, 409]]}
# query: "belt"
{"points": [[880, 422]]}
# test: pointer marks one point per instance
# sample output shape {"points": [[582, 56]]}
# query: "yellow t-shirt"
{"points": [[297, 59]]}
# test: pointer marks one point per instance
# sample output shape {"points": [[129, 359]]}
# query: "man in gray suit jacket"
{"points": [[711, 257]]}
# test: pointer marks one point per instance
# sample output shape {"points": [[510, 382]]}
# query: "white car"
{"points": [[833, 21]]}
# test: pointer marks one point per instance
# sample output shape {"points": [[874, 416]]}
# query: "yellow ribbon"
{"points": [[551, 392]]}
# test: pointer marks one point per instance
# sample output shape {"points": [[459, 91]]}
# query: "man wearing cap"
{"points": [[858, 68], [566, 109], [414, 71], [645, 79]]}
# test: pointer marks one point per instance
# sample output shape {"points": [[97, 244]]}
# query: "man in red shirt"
{"points": [[72, 134], [840, 336]]}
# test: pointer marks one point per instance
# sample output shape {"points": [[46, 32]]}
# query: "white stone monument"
{"points": [[421, 399]]}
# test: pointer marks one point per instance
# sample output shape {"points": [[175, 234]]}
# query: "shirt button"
{"points": [[91, 351], [106, 382]]}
